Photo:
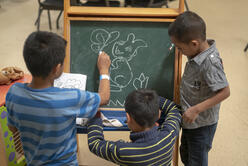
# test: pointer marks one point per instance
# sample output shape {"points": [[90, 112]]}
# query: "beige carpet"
{"points": [[227, 23]]}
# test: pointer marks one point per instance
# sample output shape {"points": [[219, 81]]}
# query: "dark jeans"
{"points": [[195, 145]]}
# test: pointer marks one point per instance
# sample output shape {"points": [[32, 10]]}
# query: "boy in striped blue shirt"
{"points": [[45, 115], [150, 144]]}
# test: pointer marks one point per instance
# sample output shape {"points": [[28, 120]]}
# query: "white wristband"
{"points": [[104, 76]]}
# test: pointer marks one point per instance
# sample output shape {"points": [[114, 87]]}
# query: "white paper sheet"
{"points": [[73, 80]]}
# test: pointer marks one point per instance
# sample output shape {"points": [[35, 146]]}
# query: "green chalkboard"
{"points": [[139, 52]]}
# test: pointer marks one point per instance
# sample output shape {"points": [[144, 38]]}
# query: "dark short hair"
{"points": [[42, 52], [143, 106], [188, 26]]}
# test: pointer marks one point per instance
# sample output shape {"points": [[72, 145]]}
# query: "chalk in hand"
{"points": [[100, 52], [172, 45]]}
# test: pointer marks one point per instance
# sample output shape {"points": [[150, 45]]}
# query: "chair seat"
{"points": [[148, 3], [52, 4]]}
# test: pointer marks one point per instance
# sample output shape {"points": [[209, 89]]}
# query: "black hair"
{"points": [[188, 26], [42, 52], [143, 106]]}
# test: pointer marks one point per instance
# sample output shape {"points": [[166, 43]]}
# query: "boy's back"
{"points": [[46, 119], [153, 146], [45, 115]]}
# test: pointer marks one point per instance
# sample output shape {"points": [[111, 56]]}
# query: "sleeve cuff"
{"points": [[95, 121]]}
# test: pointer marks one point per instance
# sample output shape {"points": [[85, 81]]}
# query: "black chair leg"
{"points": [[166, 4], [57, 21], [186, 5], [49, 20], [246, 48], [38, 19]]}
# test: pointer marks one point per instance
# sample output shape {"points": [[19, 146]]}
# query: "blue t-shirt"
{"points": [[46, 120]]}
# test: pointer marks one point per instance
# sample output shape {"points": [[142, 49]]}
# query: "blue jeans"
{"points": [[195, 145]]}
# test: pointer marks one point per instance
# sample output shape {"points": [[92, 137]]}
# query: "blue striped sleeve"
{"points": [[89, 104]]}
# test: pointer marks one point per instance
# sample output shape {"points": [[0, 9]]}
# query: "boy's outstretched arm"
{"points": [[170, 115], [107, 150], [103, 65], [192, 113]]}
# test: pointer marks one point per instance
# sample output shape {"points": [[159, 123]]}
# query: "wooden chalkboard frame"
{"points": [[72, 13], [125, 14]]}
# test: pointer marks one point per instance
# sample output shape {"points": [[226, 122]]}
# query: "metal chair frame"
{"points": [[49, 5]]}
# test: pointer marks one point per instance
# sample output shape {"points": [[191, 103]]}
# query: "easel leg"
{"points": [[175, 153], [77, 143]]}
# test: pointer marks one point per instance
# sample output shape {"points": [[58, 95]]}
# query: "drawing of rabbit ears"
{"points": [[100, 38], [136, 44]]}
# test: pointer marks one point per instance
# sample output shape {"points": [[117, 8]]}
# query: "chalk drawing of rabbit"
{"points": [[121, 73], [123, 51]]}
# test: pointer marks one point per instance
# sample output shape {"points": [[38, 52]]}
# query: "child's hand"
{"points": [[190, 115], [103, 63], [98, 114]]}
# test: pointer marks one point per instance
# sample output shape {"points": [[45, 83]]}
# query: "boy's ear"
{"points": [[128, 117], [159, 113], [57, 68], [195, 43]]}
